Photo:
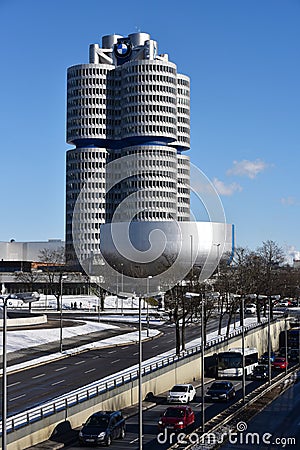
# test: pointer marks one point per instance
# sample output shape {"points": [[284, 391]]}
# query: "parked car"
{"points": [[260, 372], [280, 363], [181, 393], [176, 418], [265, 357], [220, 390], [102, 428], [250, 308]]}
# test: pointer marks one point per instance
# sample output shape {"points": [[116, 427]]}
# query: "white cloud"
{"points": [[247, 168], [288, 201], [226, 189]]}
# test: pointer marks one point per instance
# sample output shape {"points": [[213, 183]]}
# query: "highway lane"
{"points": [[151, 416], [35, 385]]}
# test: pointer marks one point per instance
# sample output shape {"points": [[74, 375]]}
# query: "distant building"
{"points": [[27, 251], [296, 264]]}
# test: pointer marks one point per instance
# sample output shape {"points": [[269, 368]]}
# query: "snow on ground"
{"points": [[19, 339]]}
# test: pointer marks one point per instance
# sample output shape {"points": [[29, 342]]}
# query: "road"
{"points": [[151, 416], [276, 427], [35, 385]]}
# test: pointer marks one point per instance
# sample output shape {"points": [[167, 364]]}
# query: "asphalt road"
{"points": [[276, 427], [36, 385], [151, 416]]}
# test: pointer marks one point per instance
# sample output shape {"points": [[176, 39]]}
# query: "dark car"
{"points": [[176, 418], [102, 427], [260, 372], [265, 357], [220, 390]]}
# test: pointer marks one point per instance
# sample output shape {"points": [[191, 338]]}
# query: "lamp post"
{"points": [[190, 295], [63, 277], [269, 341], [26, 297], [148, 282], [140, 378], [243, 350]]}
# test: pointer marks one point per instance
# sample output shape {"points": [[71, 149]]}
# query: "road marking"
{"points": [[113, 351], [16, 398], [172, 340], [134, 440], [38, 376], [60, 368], [13, 384], [155, 346], [136, 353], [88, 371], [95, 357], [79, 362], [123, 348], [57, 382], [117, 360]]}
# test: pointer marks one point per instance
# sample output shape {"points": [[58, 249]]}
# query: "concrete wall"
{"points": [[185, 370]]}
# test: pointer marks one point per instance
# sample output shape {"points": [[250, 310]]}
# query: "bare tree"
{"points": [[54, 268]]}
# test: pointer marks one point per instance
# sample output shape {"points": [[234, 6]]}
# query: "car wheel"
{"points": [[123, 433], [108, 441]]}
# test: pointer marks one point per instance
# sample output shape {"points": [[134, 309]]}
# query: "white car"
{"points": [[250, 309], [181, 393]]}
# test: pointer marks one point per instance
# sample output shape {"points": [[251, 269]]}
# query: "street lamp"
{"points": [[63, 277], [26, 297], [140, 378], [190, 295], [269, 341], [148, 281], [243, 350]]}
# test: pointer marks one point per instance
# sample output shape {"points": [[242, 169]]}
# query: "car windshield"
{"points": [[174, 412], [219, 386], [179, 389], [99, 422]]}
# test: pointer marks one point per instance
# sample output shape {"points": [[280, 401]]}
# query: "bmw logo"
{"points": [[122, 49]]}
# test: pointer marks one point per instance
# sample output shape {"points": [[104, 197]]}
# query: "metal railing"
{"points": [[111, 382]]}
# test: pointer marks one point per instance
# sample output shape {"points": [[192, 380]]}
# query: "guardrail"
{"points": [[85, 393]]}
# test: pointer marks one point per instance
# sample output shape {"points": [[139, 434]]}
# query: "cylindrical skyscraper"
{"points": [[127, 102]]}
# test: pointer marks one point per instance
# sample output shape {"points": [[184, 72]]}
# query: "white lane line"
{"points": [[172, 340], [13, 384], [155, 346], [16, 398], [134, 440], [136, 353], [57, 382], [38, 376], [117, 360], [88, 371], [113, 351], [123, 348], [60, 368], [79, 362], [95, 357]]}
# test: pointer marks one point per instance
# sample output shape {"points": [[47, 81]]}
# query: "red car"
{"points": [[176, 418], [280, 363]]}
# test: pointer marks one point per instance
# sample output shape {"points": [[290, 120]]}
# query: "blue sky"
{"points": [[243, 58]]}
